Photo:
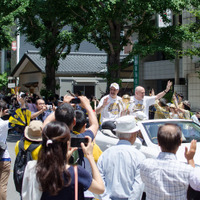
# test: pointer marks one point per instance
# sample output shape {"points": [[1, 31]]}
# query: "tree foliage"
{"points": [[9, 9], [3, 81], [45, 26], [111, 24]]}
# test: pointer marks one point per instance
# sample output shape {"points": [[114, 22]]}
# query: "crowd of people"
{"points": [[120, 172]]}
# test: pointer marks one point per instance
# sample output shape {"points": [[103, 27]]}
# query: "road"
{"points": [[11, 192]]}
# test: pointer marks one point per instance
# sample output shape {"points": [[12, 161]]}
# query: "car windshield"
{"points": [[190, 130]]}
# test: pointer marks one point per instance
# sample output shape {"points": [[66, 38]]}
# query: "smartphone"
{"points": [[22, 95], [49, 107], [76, 142], [76, 101]]}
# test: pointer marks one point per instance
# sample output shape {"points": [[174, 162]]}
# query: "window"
{"points": [[87, 90]]}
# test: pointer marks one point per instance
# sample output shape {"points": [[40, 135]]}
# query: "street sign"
{"points": [[136, 71], [168, 14], [14, 45]]}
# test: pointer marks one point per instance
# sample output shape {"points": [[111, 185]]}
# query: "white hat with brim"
{"points": [[33, 132], [126, 124]]}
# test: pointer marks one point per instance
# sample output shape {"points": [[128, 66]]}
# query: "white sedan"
{"points": [[147, 142]]}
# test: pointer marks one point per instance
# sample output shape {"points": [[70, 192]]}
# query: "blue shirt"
{"points": [[84, 182], [119, 168]]}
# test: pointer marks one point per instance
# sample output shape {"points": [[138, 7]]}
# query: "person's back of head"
{"points": [[80, 120], [126, 128], [3, 105], [169, 137], [65, 113], [52, 158], [163, 102]]}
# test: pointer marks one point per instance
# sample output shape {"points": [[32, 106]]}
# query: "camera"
{"points": [[22, 95], [75, 101], [49, 107], [76, 142]]}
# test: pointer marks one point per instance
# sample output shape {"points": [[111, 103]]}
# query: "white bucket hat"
{"points": [[126, 124]]}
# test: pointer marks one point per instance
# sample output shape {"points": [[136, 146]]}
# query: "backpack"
{"points": [[20, 163]]}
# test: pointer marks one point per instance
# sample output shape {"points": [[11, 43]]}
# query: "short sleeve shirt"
{"points": [[111, 111], [3, 136], [141, 105], [42, 116], [67, 193]]}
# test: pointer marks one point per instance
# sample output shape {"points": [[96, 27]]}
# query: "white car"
{"points": [[148, 143]]}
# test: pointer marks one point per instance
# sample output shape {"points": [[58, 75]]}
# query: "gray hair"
{"points": [[123, 135]]}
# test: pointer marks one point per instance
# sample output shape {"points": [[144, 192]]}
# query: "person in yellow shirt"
{"points": [[162, 111], [80, 127], [32, 134]]}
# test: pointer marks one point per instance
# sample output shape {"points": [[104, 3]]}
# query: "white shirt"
{"points": [[3, 135], [111, 111], [195, 119], [141, 105], [165, 178]]}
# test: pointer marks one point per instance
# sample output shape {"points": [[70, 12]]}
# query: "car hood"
{"points": [[181, 151]]}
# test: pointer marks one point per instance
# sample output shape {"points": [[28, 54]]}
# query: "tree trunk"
{"points": [[113, 56], [50, 68], [113, 68]]}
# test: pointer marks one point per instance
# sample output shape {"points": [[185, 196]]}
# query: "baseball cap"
{"points": [[115, 85]]}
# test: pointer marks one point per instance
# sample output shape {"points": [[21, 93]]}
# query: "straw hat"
{"points": [[33, 132]]}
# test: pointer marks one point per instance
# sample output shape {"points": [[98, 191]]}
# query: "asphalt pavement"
{"points": [[11, 141]]}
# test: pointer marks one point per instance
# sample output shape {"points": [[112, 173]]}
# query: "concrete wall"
{"points": [[164, 69], [194, 90], [30, 74]]}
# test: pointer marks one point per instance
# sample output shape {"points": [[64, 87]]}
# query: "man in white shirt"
{"points": [[110, 107], [140, 102], [5, 161]]}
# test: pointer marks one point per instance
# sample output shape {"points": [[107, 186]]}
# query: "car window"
{"points": [[190, 130]]}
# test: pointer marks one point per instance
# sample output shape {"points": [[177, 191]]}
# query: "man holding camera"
{"points": [[42, 111], [65, 113]]}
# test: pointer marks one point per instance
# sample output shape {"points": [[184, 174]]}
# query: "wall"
{"points": [[193, 90]]}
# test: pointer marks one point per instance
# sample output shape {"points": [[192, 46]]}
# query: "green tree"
{"points": [[44, 25], [8, 12], [192, 32], [111, 24], [3, 82]]}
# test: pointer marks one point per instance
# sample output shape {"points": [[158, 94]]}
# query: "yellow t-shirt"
{"points": [[26, 145], [160, 113]]}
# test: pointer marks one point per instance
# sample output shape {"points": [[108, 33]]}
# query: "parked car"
{"points": [[147, 142]]}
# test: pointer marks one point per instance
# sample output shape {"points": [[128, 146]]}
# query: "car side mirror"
{"points": [[137, 143]]}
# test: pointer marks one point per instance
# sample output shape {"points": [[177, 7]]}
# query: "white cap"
{"points": [[126, 124], [115, 85]]}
